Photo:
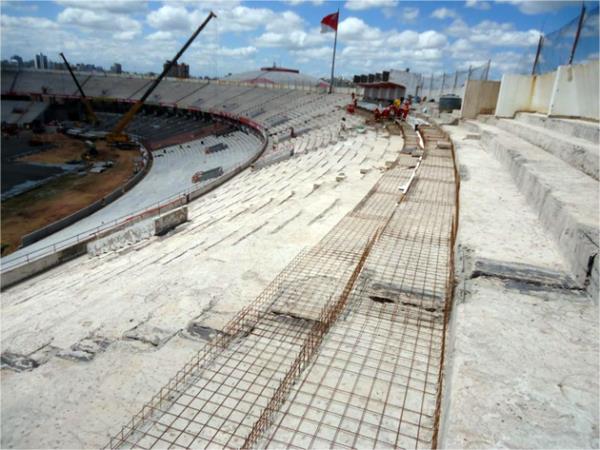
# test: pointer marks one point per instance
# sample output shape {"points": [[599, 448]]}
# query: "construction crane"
{"points": [[117, 135], [89, 112]]}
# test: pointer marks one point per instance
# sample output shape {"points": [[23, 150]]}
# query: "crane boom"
{"points": [[86, 103], [117, 134]]}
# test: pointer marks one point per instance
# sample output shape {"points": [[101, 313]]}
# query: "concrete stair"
{"points": [[580, 153], [565, 198], [581, 129]]}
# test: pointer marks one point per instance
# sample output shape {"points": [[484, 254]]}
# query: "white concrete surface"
{"points": [[575, 91], [523, 370], [522, 361], [171, 173], [98, 326], [497, 222], [569, 91], [565, 199]]}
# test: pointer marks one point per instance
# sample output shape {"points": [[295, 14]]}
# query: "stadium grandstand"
{"points": [[277, 76], [266, 260]]}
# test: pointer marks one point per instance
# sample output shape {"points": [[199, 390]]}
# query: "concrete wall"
{"points": [[480, 98], [32, 268], [514, 95], [121, 238], [168, 221], [570, 91], [576, 91], [136, 232], [541, 92]]}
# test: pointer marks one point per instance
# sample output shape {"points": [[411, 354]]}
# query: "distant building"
{"points": [[57, 65], [18, 60], [181, 70], [88, 68], [41, 61], [116, 68], [389, 85]]}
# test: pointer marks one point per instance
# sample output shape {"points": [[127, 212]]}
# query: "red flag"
{"points": [[329, 23]]}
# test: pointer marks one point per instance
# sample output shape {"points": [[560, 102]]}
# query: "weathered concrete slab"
{"points": [[166, 222], [523, 370]]}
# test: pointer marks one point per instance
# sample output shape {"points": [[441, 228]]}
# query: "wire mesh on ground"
{"points": [[345, 346]]}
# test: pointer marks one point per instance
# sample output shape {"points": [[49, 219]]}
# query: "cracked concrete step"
{"points": [[582, 129], [578, 153], [522, 369], [565, 200]]}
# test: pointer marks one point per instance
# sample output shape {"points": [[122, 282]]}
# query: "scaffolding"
{"points": [[345, 347]]}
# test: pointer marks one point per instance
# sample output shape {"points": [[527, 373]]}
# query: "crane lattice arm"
{"points": [[86, 103], [117, 134]]}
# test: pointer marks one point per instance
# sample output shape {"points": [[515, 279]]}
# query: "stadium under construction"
{"points": [[279, 262]]}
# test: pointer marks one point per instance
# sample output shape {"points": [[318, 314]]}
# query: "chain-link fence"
{"points": [[433, 86], [576, 42]]}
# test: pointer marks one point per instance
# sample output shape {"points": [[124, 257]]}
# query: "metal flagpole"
{"points": [[334, 46]]}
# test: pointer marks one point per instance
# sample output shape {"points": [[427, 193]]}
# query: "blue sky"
{"points": [[374, 35]]}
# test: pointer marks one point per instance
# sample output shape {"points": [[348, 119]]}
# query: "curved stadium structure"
{"points": [[285, 272]]}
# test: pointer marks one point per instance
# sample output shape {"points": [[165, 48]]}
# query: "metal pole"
{"points": [[443, 83], [470, 70], [537, 54], [334, 46], [579, 24], [455, 80], [430, 85]]}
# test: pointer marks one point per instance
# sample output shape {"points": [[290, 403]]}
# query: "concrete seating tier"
{"points": [[580, 152], [565, 198]]}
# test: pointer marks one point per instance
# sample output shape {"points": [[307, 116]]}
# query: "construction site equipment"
{"points": [[89, 112], [117, 134]]}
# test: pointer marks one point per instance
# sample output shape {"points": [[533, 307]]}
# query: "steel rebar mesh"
{"points": [[366, 318], [375, 382]]}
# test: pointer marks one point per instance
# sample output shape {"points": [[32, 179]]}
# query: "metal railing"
{"points": [[166, 204]]}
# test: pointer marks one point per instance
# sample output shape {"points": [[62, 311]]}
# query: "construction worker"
{"points": [[405, 109]]}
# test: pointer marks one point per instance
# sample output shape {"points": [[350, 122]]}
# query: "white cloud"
{"points": [[360, 5], [458, 27], [169, 17], [355, 29], [411, 39], [410, 14], [237, 52], [490, 33], [111, 6], [293, 40], [285, 22], [478, 4], [444, 13], [539, 6], [230, 18], [94, 20], [26, 23], [160, 36], [299, 2]]}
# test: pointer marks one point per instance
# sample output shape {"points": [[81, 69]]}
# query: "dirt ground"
{"points": [[65, 195], [66, 149]]}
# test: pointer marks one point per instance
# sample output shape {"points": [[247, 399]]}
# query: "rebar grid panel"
{"points": [[230, 392], [376, 381]]}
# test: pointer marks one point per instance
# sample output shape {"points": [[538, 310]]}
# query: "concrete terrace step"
{"points": [[583, 129], [577, 152], [565, 201]]}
